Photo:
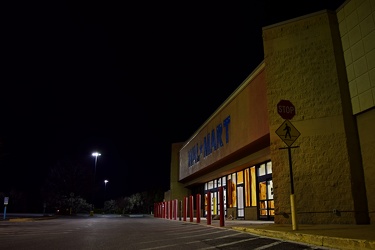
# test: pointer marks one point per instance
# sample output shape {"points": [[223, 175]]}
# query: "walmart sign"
{"points": [[211, 142]]}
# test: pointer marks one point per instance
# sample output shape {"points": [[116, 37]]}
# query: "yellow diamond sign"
{"points": [[288, 133]]}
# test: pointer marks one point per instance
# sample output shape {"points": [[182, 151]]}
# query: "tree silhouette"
{"points": [[65, 184]]}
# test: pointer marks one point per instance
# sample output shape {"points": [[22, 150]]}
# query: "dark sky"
{"points": [[126, 78]]}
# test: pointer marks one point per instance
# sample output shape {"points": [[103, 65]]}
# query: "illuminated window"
{"points": [[234, 190], [265, 188], [262, 170], [240, 177], [253, 186], [229, 187], [247, 188], [269, 167], [262, 198]]}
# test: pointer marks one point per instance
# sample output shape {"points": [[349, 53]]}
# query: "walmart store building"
{"points": [[324, 64]]}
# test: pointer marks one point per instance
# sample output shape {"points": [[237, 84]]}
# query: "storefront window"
{"points": [[262, 170], [240, 177], [265, 187], [263, 198], [234, 190], [230, 193], [247, 187], [269, 167], [253, 185]]}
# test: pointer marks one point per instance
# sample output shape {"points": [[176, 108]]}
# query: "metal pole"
{"points": [[292, 198], [290, 171], [5, 212]]}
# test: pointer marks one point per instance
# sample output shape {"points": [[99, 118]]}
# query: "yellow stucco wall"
{"points": [[304, 64]]}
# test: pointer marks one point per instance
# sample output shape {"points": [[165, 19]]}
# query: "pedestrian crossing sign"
{"points": [[288, 133]]}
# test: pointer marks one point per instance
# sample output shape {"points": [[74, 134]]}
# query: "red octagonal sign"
{"points": [[286, 109]]}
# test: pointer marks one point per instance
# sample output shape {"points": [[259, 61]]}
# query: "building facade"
{"points": [[324, 64]]}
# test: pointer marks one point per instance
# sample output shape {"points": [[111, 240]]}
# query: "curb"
{"points": [[318, 240], [30, 219]]}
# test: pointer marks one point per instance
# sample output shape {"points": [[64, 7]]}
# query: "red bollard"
{"points": [[209, 216], [185, 206], [175, 209], [164, 209], [167, 209], [191, 207], [170, 210], [222, 212], [198, 197]]}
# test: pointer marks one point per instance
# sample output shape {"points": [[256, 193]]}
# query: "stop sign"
{"points": [[286, 109]]}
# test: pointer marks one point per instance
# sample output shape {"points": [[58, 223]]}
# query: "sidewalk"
{"points": [[341, 236]]}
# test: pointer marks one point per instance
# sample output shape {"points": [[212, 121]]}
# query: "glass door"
{"points": [[240, 202], [266, 205]]}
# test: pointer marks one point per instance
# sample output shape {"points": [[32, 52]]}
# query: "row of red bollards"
{"points": [[170, 209]]}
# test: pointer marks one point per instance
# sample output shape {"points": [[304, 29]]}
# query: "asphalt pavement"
{"points": [[337, 236]]}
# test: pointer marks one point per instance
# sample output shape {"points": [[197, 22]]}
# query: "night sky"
{"points": [[122, 78]]}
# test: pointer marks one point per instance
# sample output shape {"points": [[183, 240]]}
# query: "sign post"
{"points": [[289, 134], [6, 200]]}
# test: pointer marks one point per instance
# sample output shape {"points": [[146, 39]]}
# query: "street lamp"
{"points": [[105, 188], [96, 155]]}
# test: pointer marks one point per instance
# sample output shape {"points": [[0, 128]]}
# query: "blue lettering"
{"points": [[219, 132], [207, 145], [211, 142], [226, 123]]}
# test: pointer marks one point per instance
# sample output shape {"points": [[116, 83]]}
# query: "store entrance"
{"points": [[266, 202], [240, 201], [266, 205]]}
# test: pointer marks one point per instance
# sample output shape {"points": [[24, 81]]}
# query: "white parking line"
{"points": [[268, 246], [228, 244]]}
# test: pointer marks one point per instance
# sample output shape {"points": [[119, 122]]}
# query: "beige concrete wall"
{"points": [[357, 29], [366, 124], [251, 213], [177, 189], [304, 64]]}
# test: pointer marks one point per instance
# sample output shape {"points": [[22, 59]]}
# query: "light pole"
{"points": [[96, 155], [105, 188]]}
